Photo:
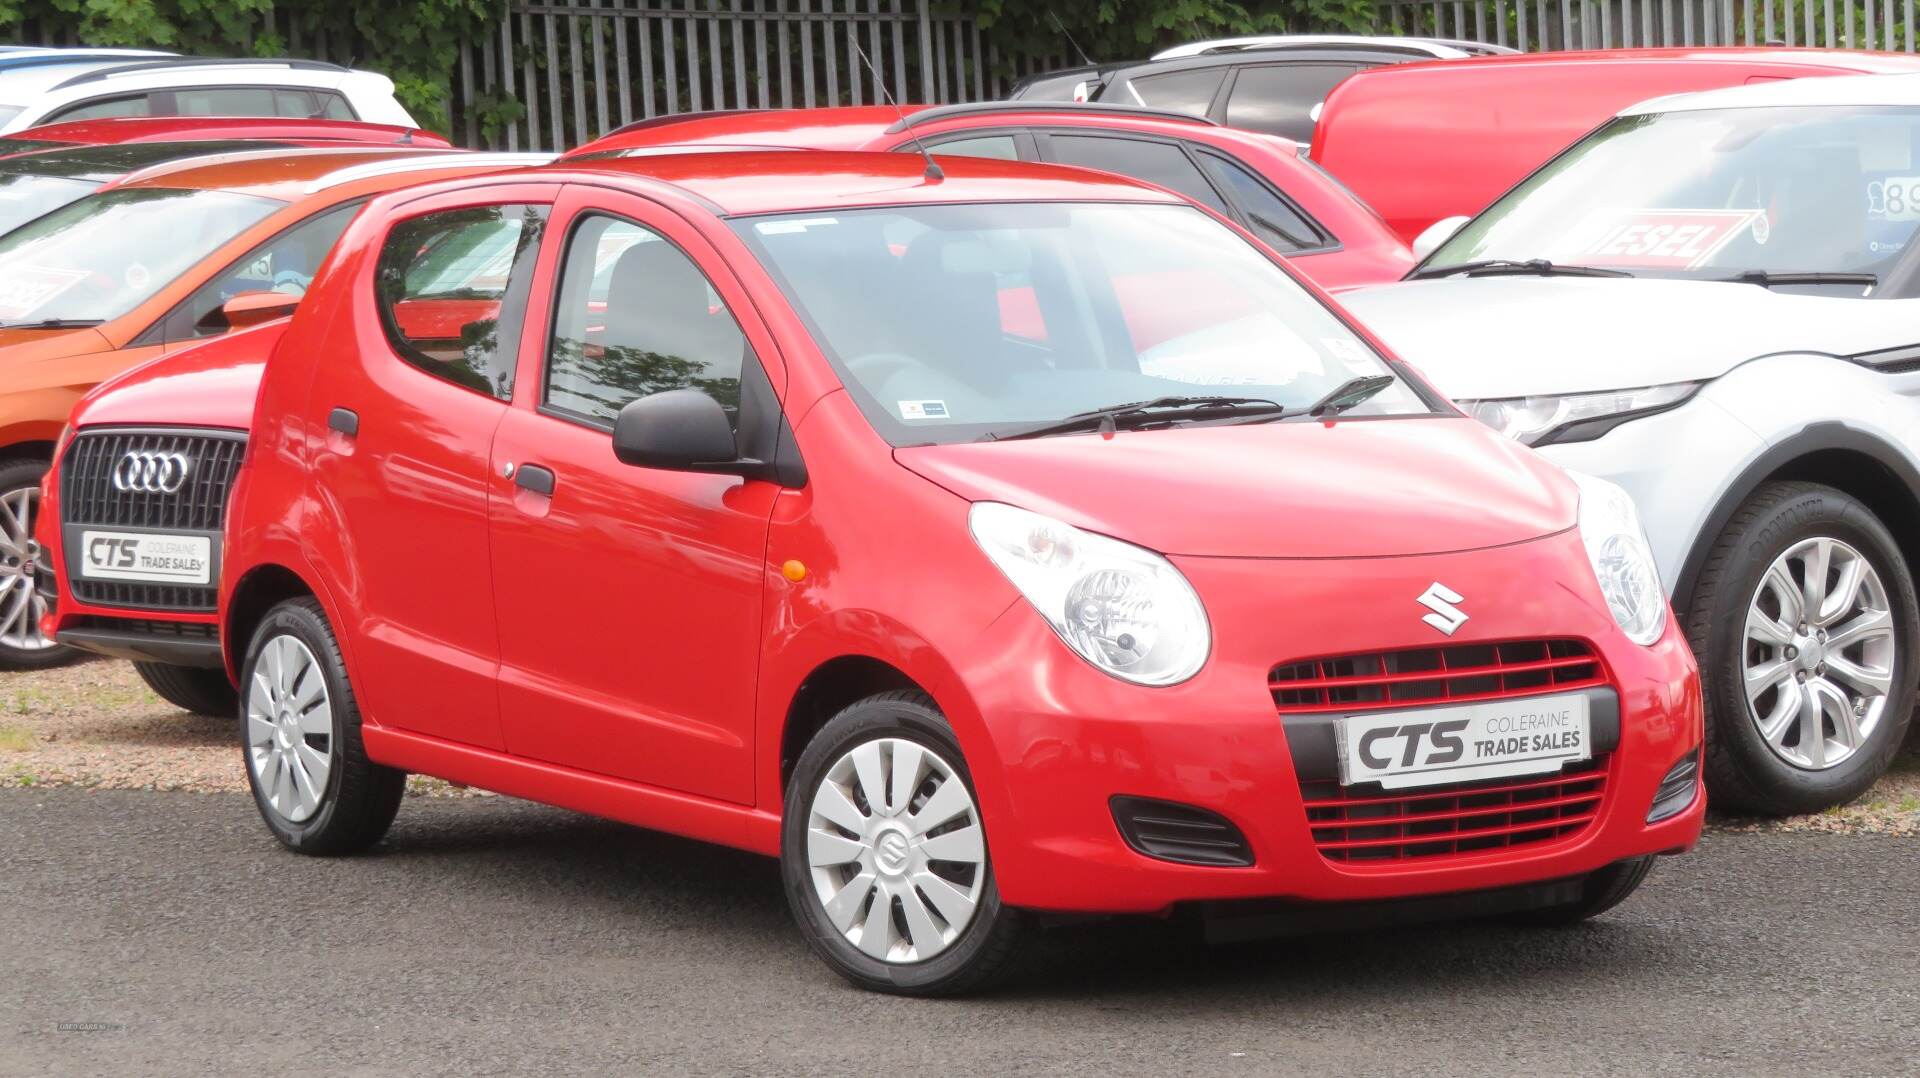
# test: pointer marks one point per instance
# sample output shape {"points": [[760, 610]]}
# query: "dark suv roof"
{"points": [[1279, 98]]}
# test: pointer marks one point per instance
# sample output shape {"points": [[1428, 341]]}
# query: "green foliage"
{"points": [[1111, 30]]}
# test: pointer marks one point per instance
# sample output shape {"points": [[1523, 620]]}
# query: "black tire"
{"points": [[1742, 772], [17, 474], [361, 797], [1601, 891], [985, 947], [191, 688]]}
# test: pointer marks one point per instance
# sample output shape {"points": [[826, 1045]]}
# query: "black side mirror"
{"points": [[680, 430]]}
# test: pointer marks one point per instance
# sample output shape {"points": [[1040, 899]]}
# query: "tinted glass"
{"points": [[1717, 192], [637, 317], [951, 323], [1267, 215], [444, 291], [235, 101], [23, 198], [285, 263], [133, 105], [1190, 92], [333, 106], [998, 147], [1155, 162], [1279, 99], [102, 256]]}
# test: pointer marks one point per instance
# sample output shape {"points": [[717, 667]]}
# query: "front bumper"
{"points": [[1067, 739]]}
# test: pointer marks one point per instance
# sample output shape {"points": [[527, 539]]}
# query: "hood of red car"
{"points": [[209, 385], [1356, 488]]}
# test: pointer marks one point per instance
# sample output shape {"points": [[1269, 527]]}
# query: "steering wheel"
{"points": [[874, 368]]}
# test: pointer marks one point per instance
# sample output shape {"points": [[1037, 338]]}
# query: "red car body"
{"points": [[123, 129], [1424, 141], [1336, 239], [643, 644]]}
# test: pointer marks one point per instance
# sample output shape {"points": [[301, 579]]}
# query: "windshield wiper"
{"points": [[1768, 279], [1352, 392], [55, 323], [1501, 267], [1160, 409]]}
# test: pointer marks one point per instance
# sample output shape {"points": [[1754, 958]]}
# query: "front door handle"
{"points": [[532, 477], [344, 420]]}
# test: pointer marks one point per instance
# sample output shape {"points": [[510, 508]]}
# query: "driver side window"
{"points": [[285, 263]]}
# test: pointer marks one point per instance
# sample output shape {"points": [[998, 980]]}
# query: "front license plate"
{"points": [[1465, 742], [165, 559]]}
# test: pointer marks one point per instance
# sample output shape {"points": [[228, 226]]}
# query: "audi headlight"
{"points": [[1580, 417], [1124, 609], [1622, 559]]}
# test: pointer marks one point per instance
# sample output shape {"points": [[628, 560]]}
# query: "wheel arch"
{"points": [[262, 588], [827, 689], [1832, 453]]}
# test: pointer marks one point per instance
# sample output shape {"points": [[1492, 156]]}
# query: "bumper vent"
{"points": [[1677, 789], [1170, 831], [1461, 819], [1455, 674], [177, 630]]}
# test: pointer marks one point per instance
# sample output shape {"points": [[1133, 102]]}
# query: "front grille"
{"points": [[1457, 673], [87, 494], [139, 596], [1463, 818], [1367, 823]]}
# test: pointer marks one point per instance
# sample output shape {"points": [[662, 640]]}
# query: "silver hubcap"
{"points": [[895, 850], [20, 605], [289, 729], [1820, 653]]}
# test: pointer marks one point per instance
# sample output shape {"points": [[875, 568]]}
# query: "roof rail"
{"points": [[15, 61], [988, 108], [677, 117], [427, 160], [159, 65]]}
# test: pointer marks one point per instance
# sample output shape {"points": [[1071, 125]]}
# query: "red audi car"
{"points": [[963, 543], [1262, 182]]}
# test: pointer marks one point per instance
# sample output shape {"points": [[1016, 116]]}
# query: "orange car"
{"points": [[166, 258]]}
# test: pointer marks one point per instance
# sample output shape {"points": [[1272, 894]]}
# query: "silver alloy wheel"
{"points": [[289, 728], [895, 850], [20, 605], [1819, 653]]}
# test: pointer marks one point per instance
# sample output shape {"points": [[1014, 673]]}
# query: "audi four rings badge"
{"points": [[151, 472]]}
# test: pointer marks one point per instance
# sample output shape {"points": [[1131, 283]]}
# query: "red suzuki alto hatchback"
{"points": [[1023, 540]]}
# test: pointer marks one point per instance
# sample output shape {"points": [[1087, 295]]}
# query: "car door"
{"points": [[630, 597], [411, 407]]}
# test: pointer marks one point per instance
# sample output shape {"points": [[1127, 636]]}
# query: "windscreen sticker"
{"points": [[25, 289], [1351, 353], [787, 228], [1893, 206], [1654, 239], [138, 277], [923, 410]]}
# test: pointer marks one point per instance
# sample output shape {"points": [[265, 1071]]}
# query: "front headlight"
{"points": [[1581, 417], [1124, 609], [1622, 559]]}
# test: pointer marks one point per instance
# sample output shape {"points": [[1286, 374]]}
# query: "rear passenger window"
{"points": [[105, 108], [231, 101], [451, 289], [1278, 99], [1268, 216], [1155, 162], [635, 317], [998, 147], [1190, 92]]}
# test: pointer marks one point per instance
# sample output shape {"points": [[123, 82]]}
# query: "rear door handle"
{"points": [[534, 478], [344, 420]]}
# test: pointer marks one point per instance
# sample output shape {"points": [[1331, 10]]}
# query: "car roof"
{"points": [[1841, 90], [842, 127], [126, 129], [732, 184], [108, 162], [289, 175], [1422, 46], [1769, 55], [19, 85]]}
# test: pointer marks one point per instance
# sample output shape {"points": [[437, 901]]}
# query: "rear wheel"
{"points": [[311, 779], [885, 858], [1600, 892], [1805, 622], [22, 647], [191, 688]]}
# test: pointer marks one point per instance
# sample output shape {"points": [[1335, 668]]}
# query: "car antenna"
{"points": [[1062, 27], [933, 173]]}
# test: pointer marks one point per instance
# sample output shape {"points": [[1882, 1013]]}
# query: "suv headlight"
{"points": [[1124, 609], [1580, 417], [1622, 559]]}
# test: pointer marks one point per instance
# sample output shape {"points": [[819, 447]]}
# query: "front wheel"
{"points": [[1805, 622], [22, 647], [200, 690], [1599, 892], [885, 858]]}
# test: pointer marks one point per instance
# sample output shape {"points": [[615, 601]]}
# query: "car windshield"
{"points": [[25, 197], [100, 257], [958, 322], [1716, 193]]}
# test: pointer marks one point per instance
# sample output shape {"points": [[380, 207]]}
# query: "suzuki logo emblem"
{"points": [[1439, 598]]}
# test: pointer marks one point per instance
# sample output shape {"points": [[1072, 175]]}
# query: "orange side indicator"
{"points": [[793, 571]]}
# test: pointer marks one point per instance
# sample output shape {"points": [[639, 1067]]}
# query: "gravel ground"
{"points": [[96, 724]]}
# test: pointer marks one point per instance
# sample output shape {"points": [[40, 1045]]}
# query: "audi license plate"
{"points": [[164, 559], [1465, 742]]}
